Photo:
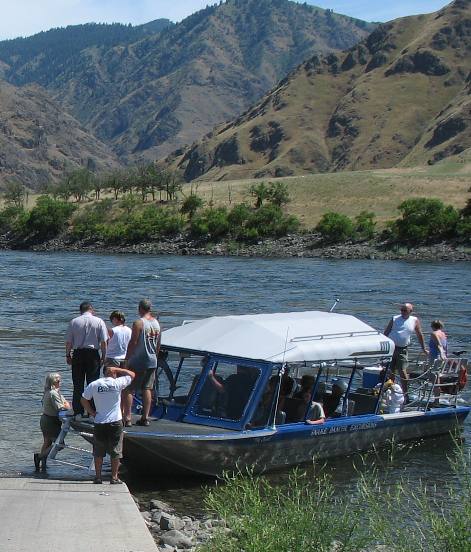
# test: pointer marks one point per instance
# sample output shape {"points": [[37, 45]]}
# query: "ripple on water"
{"points": [[39, 293]]}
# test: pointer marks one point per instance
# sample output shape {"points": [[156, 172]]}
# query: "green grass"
{"points": [[312, 514]]}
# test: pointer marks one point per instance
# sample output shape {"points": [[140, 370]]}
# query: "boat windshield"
{"points": [[226, 391]]}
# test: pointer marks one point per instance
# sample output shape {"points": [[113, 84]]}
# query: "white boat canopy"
{"points": [[281, 337]]}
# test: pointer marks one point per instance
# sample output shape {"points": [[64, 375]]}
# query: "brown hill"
{"points": [[38, 141], [400, 97], [147, 97]]}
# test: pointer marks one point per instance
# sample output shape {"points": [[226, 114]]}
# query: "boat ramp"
{"points": [[45, 515]]}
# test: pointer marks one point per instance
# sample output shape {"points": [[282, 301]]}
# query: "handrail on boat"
{"points": [[342, 335]]}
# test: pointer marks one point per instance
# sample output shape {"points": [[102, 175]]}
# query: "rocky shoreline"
{"points": [[174, 533], [307, 245]]}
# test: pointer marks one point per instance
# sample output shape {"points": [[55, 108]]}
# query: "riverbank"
{"points": [[305, 245]]}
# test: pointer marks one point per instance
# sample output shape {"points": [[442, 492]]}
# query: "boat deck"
{"points": [[162, 426]]}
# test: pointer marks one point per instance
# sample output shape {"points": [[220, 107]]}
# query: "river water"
{"points": [[40, 293]]}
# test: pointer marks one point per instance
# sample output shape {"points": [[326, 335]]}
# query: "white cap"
{"points": [[342, 384]]}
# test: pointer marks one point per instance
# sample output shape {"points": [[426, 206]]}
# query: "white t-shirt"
{"points": [[118, 342], [394, 397], [106, 393]]}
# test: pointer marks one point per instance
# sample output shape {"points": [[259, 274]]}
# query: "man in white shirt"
{"points": [[86, 337], [400, 329], [106, 409]]}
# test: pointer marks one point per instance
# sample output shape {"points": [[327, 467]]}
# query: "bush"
{"points": [[425, 219], [213, 223], [12, 219], [48, 217], [190, 205], [270, 221], [365, 225], [335, 227]]}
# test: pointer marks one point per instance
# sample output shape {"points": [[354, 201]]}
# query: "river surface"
{"points": [[40, 293]]}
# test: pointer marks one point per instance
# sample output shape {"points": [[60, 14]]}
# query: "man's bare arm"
{"points": [[420, 336], [136, 332], [88, 407], [388, 328]]}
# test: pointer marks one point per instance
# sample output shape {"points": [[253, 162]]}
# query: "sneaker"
{"points": [[116, 482], [37, 461], [97, 481]]}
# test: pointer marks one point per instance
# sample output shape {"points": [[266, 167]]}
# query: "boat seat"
{"points": [[364, 403]]}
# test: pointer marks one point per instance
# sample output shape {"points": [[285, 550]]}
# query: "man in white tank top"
{"points": [[400, 329]]}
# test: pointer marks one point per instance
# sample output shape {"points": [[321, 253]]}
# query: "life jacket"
{"points": [[462, 378]]}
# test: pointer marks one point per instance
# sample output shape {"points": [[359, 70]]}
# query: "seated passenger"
{"points": [[237, 389], [307, 383], [316, 414], [334, 403]]}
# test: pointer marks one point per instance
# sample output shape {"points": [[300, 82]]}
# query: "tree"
{"points": [[80, 183], [129, 202], [278, 194], [49, 216], [425, 219], [14, 194], [260, 192]]}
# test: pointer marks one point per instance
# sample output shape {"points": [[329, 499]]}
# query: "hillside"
{"points": [[38, 141], [146, 97], [401, 97]]}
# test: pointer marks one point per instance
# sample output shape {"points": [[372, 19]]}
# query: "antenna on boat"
{"points": [[337, 301], [282, 371]]}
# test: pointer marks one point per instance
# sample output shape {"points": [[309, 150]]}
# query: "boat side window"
{"points": [[179, 384], [226, 391]]}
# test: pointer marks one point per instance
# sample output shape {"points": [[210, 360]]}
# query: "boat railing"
{"points": [[60, 444], [343, 335]]}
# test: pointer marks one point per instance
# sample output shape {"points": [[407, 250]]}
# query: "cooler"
{"points": [[371, 376]]}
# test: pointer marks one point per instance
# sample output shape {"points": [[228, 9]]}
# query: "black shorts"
{"points": [[108, 440]]}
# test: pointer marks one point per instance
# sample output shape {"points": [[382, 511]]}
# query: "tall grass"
{"points": [[380, 511]]}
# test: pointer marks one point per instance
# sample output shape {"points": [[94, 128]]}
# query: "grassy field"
{"points": [[380, 191]]}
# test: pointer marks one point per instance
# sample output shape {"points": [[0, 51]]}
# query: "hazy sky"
{"points": [[26, 17]]}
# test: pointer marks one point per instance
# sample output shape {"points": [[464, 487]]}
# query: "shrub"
{"points": [[270, 221], [335, 227], [213, 223], [12, 219], [365, 225], [190, 205], [278, 194], [239, 215], [425, 219], [48, 217]]}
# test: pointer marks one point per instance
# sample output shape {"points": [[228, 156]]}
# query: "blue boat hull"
{"points": [[212, 453]]}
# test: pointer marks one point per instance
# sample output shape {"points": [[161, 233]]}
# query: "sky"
{"points": [[27, 17]]}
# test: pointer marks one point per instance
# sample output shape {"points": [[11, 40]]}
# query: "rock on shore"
{"points": [[174, 533], [306, 245]]}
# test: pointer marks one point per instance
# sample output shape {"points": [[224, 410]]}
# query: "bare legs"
{"points": [[115, 463], [127, 404], [146, 403]]}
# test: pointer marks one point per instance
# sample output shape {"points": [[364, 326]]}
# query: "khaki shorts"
{"points": [[144, 379], [113, 363], [108, 440], [50, 426], [400, 360]]}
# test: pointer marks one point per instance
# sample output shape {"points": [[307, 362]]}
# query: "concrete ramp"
{"points": [[42, 515]]}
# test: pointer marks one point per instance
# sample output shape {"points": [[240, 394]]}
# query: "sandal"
{"points": [[37, 461], [143, 422], [97, 481], [116, 482], [127, 423]]}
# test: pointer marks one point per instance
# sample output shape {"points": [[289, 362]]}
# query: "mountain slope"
{"points": [[38, 141], [148, 97], [399, 97]]}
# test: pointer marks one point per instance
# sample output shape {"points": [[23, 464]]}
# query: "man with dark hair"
{"points": [[86, 337], [141, 357], [102, 400]]}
